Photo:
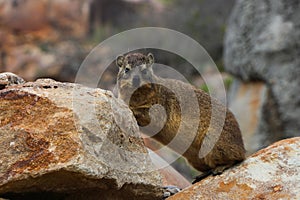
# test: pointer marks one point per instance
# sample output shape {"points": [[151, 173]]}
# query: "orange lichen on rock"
{"points": [[39, 144], [272, 173], [63, 138]]}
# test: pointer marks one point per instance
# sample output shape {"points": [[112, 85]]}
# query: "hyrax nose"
{"points": [[136, 81]]}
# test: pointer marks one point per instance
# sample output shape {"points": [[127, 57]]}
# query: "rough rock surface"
{"points": [[262, 43], [260, 119], [272, 173], [7, 79], [69, 141]]}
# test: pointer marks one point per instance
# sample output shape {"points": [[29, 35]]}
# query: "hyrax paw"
{"points": [[8, 78], [170, 190]]}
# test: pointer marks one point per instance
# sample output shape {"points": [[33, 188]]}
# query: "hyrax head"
{"points": [[135, 70]]}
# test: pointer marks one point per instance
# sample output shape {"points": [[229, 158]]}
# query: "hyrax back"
{"points": [[192, 123]]}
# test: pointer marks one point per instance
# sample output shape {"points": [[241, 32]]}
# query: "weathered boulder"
{"points": [[271, 173], [70, 141], [262, 43], [253, 107]]}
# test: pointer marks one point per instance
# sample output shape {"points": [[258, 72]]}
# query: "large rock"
{"points": [[260, 119], [262, 43], [69, 141], [272, 173]]}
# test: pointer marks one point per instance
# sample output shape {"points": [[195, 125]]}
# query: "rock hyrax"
{"points": [[142, 90]]}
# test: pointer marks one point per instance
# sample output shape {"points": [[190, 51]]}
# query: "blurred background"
{"points": [[255, 45]]}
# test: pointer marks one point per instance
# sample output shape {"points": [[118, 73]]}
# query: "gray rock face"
{"points": [[262, 43], [73, 142]]}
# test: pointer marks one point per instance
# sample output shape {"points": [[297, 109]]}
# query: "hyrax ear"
{"points": [[120, 60], [150, 59]]}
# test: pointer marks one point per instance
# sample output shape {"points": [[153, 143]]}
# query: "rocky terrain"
{"points": [[55, 42], [271, 173], [67, 141], [60, 137], [262, 50]]}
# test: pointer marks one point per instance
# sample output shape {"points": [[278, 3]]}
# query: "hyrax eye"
{"points": [[127, 70]]}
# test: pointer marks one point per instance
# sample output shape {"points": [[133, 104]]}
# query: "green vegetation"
{"points": [[204, 87], [167, 2], [227, 83]]}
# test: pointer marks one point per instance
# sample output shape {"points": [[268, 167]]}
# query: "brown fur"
{"points": [[152, 90]]}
